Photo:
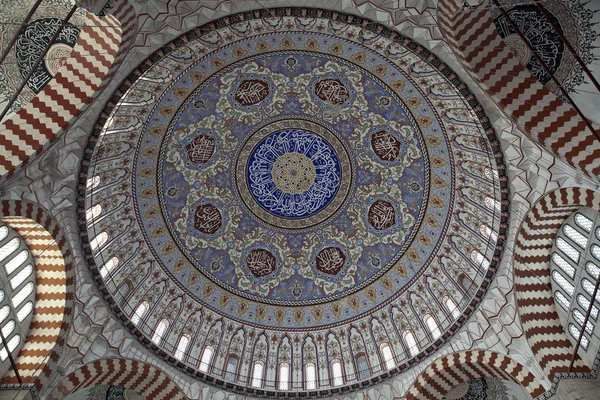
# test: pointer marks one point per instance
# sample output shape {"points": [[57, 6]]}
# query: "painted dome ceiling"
{"points": [[295, 175]]}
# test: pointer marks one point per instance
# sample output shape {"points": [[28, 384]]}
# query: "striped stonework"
{"points": [[102, 45], [450, 370], [142, 378], [548, 340], [543, 116], [52, 314]]}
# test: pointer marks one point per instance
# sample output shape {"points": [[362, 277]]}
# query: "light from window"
{"points": [[140, 312], [19, 278], [575, 236], [592, 269], [99, 240], [583, 222], [22, 294], [4, 311], [8, 328], [9, 248], [562, 300], [25, 311], [207, 355], [579, 317], [563, 283], [596, 251], [16, 262], [311, 376], [3, 232], [93, 212], [336, 372], [284, 376], [585, 304], [182, 347], [563, 264], [492, 204], [589, 288], [388, 357], [93, 182], [566, 248], [575, 332], [109, 266], [1, 295], [257, 373], [411, 343], [432, 326], [12, 345], [452, 307], [160, 330]]}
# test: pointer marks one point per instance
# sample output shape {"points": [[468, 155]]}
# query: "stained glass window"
{"points": [[109, 266], [12, 345], [140, 312], [592, 269], [182, 347], [18, 260], [9, 247], [492, 204], [432, 326], [562, 300], [160, 330], [99, 240], [231, 371], [93, 212], [411, 343], [575, 332], [25, 311], [584, 303], [207, 356], [580, 318], [19, 278], [452, 307], [488, 232], [388, 357], [363, 367]]}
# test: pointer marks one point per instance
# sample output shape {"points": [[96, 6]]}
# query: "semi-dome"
{"points": [[294, 188]]}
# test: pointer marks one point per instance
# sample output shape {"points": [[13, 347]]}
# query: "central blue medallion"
{"points": [[293, 173]]}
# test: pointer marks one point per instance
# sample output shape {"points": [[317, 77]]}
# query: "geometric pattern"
{"points": [[100, 47], [548, 340], [450, 370], [142, 378], [54, 291], [543, 116]]}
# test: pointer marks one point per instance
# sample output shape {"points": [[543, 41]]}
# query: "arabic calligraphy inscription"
{"points": [[208, 219], [381, 215], [330, 260], [332, 91], [201, 149], [251, 92], [261, 262]]}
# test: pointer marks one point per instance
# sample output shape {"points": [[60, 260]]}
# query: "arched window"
{"points": [[575, 332], [109, 266], [17, 289], [563, 283], [160, 330], [93, 212], [564, 265], [182, 347], [93, 182], [574, 272], [492, 204], [432, 326], [363, 367], [488, 233], [98, 241], [489, 174], [231, 371], [388, 356], [140, 312], [452, 307], [479, 259], [336, 373], [206, 359], [310, 376], [411, 343], [284, 376], [257, 374]]}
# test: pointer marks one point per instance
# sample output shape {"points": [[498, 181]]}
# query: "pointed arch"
{"points": [[450, 370], [130, 374], [54, 290]]}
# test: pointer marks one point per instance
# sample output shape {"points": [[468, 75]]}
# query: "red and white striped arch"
{"points": [[450, 370], [52, 313], [548, 340], [99, 51], [544, 117], [144, 379]]}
